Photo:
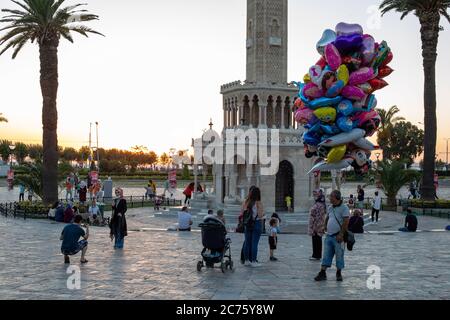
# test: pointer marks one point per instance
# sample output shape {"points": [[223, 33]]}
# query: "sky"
{"points": [[155, 79]]}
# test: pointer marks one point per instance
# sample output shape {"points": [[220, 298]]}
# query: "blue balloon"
{"points": [[323, 102], [311, 138], [330, 130], [345, 108], [335, 89], [345, 124]]}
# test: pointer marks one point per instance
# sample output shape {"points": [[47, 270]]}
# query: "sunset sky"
{"points": [[155, 79]]}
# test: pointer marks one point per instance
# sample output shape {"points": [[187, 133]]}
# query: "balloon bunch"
{"points": [[337, 101]]}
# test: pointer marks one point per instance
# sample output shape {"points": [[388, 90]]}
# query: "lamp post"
{"points": [[446, 159], [378, 154], [98, 156], [12, 148]]}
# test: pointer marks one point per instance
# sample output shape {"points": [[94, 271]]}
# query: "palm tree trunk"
{"points": [[48, 53], [430, 34]]}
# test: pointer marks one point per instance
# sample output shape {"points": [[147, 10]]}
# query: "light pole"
{"points": [[98, 156], [446, 161], [12, 148]]}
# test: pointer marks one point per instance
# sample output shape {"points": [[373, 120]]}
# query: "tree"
{"points": [[429, 13], [84, 153], [164, 159], [2, 118], [70, 154], [388, 120], [405, 142], [35, 151], [45, 22], [21, 152], [392, 176], [5, 150]]}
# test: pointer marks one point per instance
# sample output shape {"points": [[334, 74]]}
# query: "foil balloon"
{"points": [[312, 91], [333, 57], [348, 43], [343, 74], [326, 114], [361, 76], [306, 78], [311, 138], [378, 84], [388, 59], [315, 74], [348, 28], [335, 89], [368, 49], [365, 144], [344, 138], [324, 166], [366, 87], [330, 129], [383, 72], [360, 156], [345, 124], [303, 116], [353, 93], [323, 102], [328, 37], [322, 63], [336, 154], [345, 108]]}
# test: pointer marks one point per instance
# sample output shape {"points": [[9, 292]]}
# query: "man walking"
{"points": [[376, 206], [360, 197], [336, 225]]}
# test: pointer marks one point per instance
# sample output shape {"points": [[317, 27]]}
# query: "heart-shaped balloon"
{"points": [[368, 49], [328, 37], [348, 43], [343, 29]]}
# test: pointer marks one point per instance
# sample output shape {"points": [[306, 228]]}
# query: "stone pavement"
{"points": [[162, 265]]}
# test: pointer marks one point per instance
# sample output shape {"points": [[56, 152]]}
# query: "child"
{"points": [[273, 240], [288, 200], [351, 203], [158, 202], [277, 217]]}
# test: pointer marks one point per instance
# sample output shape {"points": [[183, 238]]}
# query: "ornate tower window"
{"points": [[250, 34], [275, 39]]}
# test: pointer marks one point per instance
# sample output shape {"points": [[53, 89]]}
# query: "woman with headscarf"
{"points": [[317, 224], [118, 223]]}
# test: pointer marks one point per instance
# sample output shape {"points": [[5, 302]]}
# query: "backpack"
{"points": [[248, 219]]}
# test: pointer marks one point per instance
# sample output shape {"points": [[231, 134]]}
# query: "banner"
{"points": [[173, 179], [94, 177]]}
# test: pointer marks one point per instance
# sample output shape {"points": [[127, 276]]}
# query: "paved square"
{"points": [[162, 265]]}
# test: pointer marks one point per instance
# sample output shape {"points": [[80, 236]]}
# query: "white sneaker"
{"points": [[247, 263], [255, 265]]}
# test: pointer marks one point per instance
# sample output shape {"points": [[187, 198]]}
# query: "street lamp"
{"points": [[446, 161]]}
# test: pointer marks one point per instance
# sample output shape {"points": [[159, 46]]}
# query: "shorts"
{"points": [[272, 243], [80, 246]]}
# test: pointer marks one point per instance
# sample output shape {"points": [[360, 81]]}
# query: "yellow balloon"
{"points": [[307, 78], [336, 154], [326, 114], [343, 74]]}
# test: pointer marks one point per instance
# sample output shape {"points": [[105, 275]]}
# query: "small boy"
{"points": [[351, 203], [273, 240], [288, 200]]}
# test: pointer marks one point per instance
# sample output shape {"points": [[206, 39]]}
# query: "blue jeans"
{"points": [[251, 241], [118, 242], [332, 248]]}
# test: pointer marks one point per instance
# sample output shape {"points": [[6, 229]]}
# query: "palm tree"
{"points": [[429, 13], [392, 176], [45, 21], [388, 120], [2, 118]]}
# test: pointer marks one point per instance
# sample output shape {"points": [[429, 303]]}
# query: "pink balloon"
{"points": [[333, 57], [361, 76], [353, 93], [312, 91], [303, 116]]}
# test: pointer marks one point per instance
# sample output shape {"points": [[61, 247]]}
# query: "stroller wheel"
{"points": [[231, 265], [223, 267], [199, 266]]}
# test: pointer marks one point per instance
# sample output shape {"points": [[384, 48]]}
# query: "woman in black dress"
{"points": [[118, 223]]}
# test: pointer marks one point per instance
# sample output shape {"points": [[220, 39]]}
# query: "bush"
{"points": [[441, 204]]}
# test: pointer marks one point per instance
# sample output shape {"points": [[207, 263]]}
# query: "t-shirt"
{"points": [[411, 222], [71, 235], [184, 219], [94, 210], [21, 189], [273, 232], [340, 212], [288, 200], [377, 203]]}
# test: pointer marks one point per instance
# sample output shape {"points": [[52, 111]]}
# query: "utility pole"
{"points": [[90, 146], [98, 156]]}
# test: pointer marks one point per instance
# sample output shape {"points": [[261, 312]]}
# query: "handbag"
{"points": [[248, 220], [349, 237]]}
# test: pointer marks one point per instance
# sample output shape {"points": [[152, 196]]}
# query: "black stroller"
{"points": [[216, 245]]}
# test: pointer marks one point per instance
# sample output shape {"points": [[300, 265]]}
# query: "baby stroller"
{"points": [[216, 245]]}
